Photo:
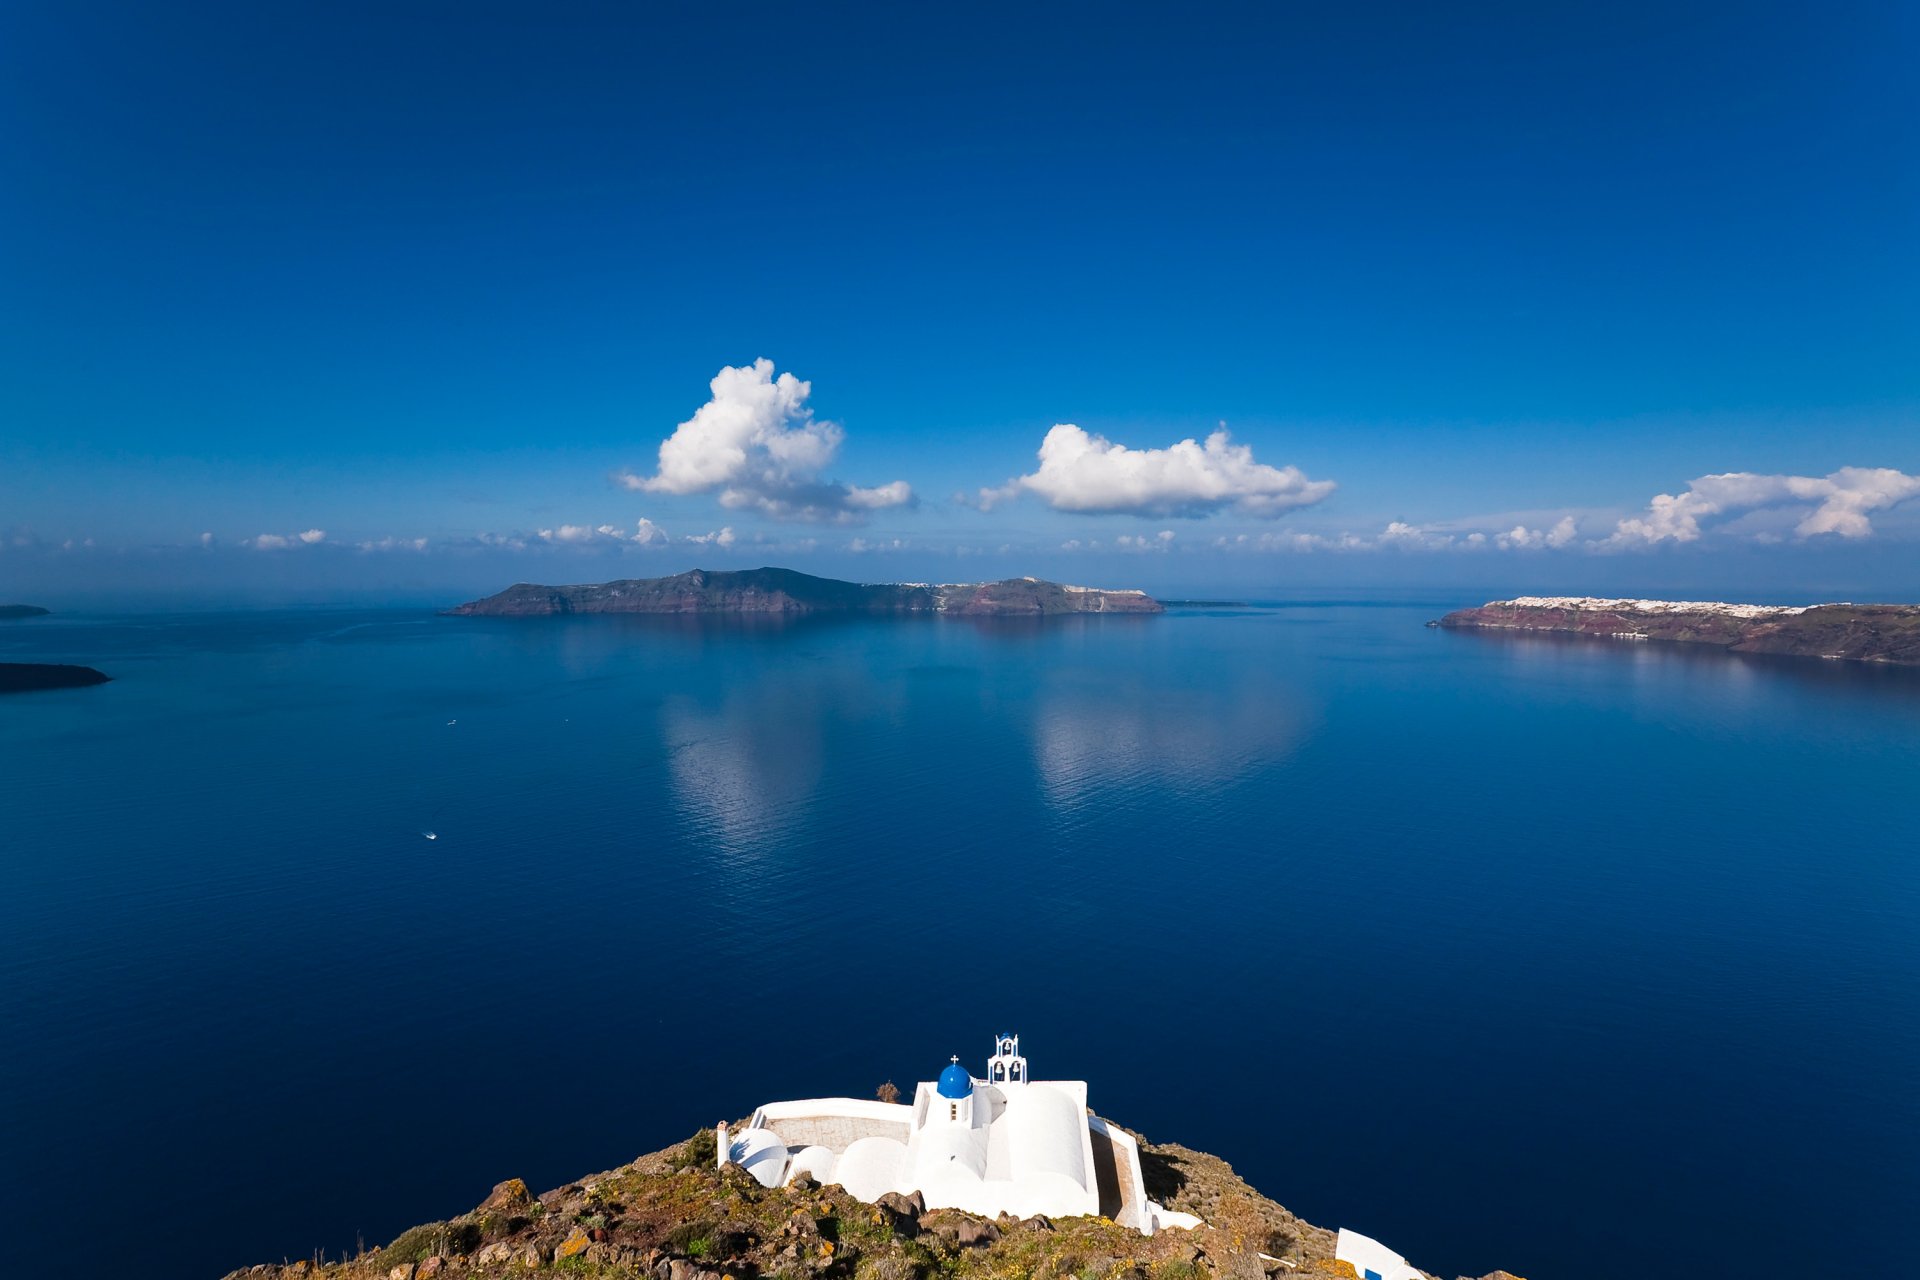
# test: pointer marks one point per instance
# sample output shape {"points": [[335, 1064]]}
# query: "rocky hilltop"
{"points": [[784, 591], [1855, 632], [673, 1216]]}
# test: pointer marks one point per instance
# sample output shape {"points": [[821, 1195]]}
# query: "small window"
{"points": [[953, 1113]]}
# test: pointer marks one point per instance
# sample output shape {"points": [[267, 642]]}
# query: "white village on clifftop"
{"points": [[1001, 1143]]}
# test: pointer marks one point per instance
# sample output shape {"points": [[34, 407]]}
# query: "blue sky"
{"points": [[445, 273]]}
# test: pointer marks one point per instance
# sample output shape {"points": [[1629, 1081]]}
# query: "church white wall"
{"points": [[1365, 1254], [762, 1153], [815, 1162], [871, 1167], [1047, 1134], [1133, 1191], [834, 1123], [1020, 1149]]}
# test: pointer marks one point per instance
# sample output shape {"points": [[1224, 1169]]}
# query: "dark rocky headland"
{"points": [[673, 1216], [1888, 633], [31, 677], [784, 591], [8, 612]]}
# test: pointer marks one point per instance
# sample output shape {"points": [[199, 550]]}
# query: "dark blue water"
{"points": [[1509, 952]]}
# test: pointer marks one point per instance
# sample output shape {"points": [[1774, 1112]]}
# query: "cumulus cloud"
{"points": [[1838, 503], [645, 534], [1141, 542], [1091, 475], [1522, 538], [718, 538], [393, 544], [281, 541], [757, 444], [568, 533], [1399, 535]]}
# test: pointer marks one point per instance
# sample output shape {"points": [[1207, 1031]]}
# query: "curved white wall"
{"points": [[1045, 1135], [870, 1168]]}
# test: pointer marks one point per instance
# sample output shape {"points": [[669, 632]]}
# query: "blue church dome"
{"points": [[955, 1082]]}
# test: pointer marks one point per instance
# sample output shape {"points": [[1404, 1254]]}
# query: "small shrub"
{"points": [[416, 1244], [888, 1092], [702, 1149], [693, 1239]]}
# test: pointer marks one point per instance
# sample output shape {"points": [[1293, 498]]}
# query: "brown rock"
{"points": [[903, 1206], [510, 1197], [430, 1267], [572, 1245], [974, 1233]]}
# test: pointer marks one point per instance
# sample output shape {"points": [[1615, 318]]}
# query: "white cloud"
{"points": [[757, 443], [1522, 538], [645, 534], [1091, 475], [281, 541], [1141, 542], [1838, 503], [394, 544], [1399, 535], [718, 538], [568, 533]]}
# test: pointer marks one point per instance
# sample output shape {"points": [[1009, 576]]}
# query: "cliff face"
{"points": [[1032, 597], [1859, 633], [673, 1216], [783, 591]]}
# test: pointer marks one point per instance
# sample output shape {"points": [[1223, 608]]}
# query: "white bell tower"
{"points": [[1006, 1066]]}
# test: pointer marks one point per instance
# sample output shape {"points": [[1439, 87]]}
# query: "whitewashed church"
{"points": [[1000, 1143]]}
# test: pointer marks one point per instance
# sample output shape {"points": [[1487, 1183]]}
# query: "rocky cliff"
{"points": [[784, 591], [673, 1216], [1855, 632], [11, 611]]}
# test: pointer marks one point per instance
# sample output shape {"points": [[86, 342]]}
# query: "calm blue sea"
{"points": [[1568, 957]]}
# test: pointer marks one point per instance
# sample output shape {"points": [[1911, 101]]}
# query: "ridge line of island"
{"points": [[1878, 633], [770, 590]]}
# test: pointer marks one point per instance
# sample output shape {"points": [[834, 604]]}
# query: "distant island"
{"points": [[31, 677], [1887, 633], [785, 591], [11, 611]]}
